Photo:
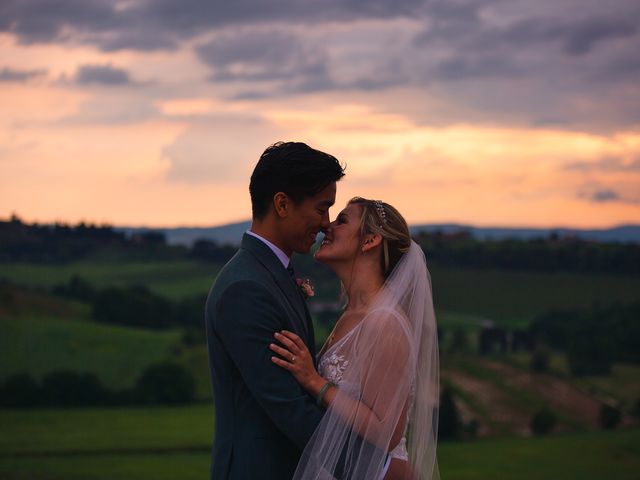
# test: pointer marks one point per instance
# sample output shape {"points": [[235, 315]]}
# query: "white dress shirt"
{"points": [[279, 253]]}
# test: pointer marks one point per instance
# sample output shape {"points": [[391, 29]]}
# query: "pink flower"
{"points": [[306, 287]]}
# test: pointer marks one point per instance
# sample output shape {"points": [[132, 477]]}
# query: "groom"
{"points": [[263, 417]]}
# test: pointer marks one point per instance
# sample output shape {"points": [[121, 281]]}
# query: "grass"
{"points": [[183, 466], [38, 344], [104, 430], [513, 298], [195, 359], [172, 279], [510, 298], [612, 455], [169, 443], [622, 384]]}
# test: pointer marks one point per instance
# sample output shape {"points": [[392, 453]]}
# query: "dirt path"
{"points": [[491, 407]]}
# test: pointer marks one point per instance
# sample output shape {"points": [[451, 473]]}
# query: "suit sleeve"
{"points": [[246, 317]]}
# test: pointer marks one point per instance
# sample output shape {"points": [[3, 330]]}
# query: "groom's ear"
{"points": [[281, 203]]}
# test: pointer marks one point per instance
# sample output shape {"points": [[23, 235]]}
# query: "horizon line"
{"points": [[248, 220]]}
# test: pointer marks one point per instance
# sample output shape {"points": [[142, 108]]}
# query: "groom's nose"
{"points": [[325, 222]]}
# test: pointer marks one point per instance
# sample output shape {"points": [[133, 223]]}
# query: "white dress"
{"points": [[391, 360], [332, 365]]}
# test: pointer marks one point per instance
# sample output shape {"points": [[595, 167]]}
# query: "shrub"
{"points": [[449, 420], [19, 390], [460, 341], [168, 383], [540, 360], [543, 421], [610, 416], [77, 287], [135, 306], [590, 355], [70, 388]]}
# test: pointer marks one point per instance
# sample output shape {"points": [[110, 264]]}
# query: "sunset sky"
{"points": [[486, 112]]}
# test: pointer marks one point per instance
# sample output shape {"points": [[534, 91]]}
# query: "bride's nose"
{"points": [[328, 228]]}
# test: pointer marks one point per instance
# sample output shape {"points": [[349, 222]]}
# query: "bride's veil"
{"points": [[393, 370]]}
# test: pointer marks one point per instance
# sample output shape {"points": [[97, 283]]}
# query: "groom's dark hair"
{"points": [[293, 168]]}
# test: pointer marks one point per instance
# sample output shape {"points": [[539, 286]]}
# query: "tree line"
{"points": [[551, 254], [22, 242], [593, 339], [135, 306], [61, 242], [164, 383]]}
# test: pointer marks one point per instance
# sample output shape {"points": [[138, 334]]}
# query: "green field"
{"points": [[38, 344], [621, 384], [169, 443], [507, 297], [47, 333], [172, 279], [513, 298], [100, 430]]}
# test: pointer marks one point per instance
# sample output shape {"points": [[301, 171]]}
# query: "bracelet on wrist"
{"points": [[322, 392]]}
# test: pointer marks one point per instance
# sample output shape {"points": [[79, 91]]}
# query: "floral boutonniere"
{"points": [[305, 287]]}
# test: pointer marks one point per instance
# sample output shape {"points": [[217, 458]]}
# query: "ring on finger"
{"points": [[293, 358]]}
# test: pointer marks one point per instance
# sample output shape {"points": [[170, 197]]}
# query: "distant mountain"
{"points": [[622, 233], [232, 233]]}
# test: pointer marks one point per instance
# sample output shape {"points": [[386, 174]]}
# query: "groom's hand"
{"points": [[297, 359]]}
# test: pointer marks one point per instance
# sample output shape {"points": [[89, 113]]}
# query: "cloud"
{"points": [[576, 36], [44, 21], [601, 196], [203, 153], [568, 63], [10, 75], [625, 193], [112, 108], [101, 75], [267, 56], [163, 24], [607, 164], [480, 66]]}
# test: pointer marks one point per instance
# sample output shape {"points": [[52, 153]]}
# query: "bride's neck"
{"points": [[361, 282]]}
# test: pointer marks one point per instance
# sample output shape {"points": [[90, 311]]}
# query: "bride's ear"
{"points": [[370, 241]]}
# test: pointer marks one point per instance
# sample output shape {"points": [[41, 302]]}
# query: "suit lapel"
{"points": [[284, 282]]}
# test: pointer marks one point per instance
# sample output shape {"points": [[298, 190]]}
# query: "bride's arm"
{"points": [[367, 416]]}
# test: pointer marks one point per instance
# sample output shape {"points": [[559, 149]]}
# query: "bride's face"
{"points": [[342, 238]]}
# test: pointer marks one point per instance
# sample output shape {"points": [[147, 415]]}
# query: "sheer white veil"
{"points": [[393, 373]]}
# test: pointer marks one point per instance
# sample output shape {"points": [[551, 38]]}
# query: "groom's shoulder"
{"points": [[243, 267]]}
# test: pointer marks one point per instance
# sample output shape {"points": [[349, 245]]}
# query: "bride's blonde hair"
{"points": [[383, 219]]}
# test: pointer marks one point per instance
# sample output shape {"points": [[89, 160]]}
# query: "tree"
{"points": [[540, 360], [543, 421], [589, 354], [19, 390], [460, 341], [610, 416], [449, 420], [168, 383], [70, 388]]}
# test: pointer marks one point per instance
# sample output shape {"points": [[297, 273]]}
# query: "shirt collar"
{"points": [[284, 259]]}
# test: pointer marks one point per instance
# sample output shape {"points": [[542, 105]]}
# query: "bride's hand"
{"points": [[297, 359]]}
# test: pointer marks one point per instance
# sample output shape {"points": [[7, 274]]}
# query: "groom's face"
{"points": [[308, 218]]}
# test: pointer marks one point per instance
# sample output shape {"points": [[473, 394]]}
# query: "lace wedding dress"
{"points": [[387, 372], [332, 365]]}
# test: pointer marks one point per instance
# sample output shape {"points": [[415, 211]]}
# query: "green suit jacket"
{"points": [[263, 418]]}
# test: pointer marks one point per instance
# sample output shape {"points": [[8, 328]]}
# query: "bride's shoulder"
{"points": [[385, 314], [386, 320]]}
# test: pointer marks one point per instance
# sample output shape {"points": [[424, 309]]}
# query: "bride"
{"points": [[377, 374]]}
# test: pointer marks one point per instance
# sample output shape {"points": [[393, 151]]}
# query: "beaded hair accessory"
{"points": [[380, 209], [385, 248]]}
